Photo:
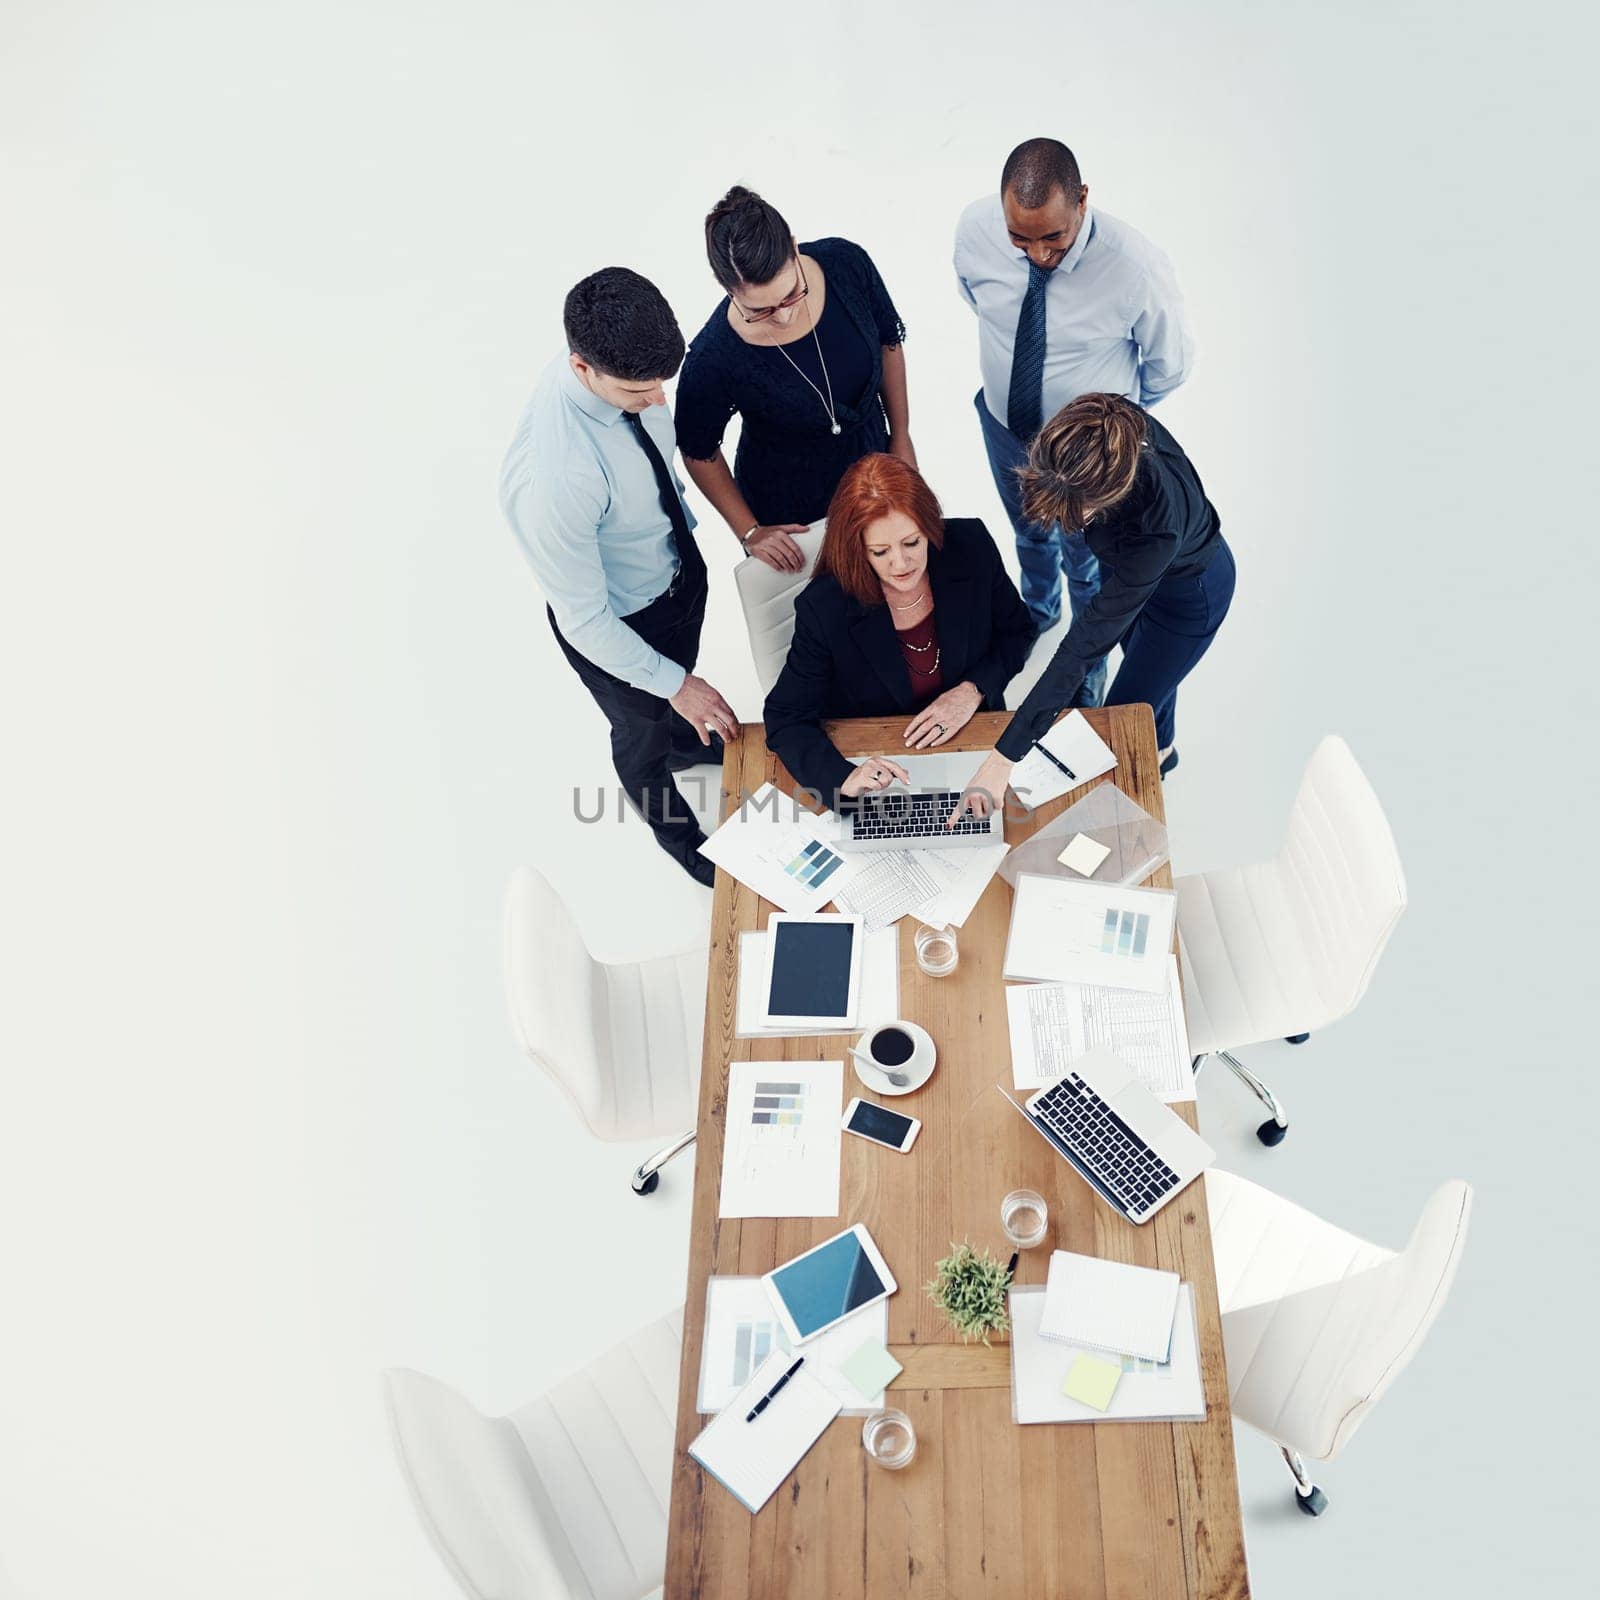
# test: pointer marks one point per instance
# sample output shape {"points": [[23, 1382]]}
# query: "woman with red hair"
{"points": [[909, 614]]}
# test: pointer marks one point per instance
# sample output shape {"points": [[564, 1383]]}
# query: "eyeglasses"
{"points": [[763, 313]]}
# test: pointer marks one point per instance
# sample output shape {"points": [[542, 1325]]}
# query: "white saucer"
{"points": [[876, 1079]]}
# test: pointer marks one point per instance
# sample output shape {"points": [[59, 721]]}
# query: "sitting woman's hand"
{"points": [[943, 718], [876, 772]]}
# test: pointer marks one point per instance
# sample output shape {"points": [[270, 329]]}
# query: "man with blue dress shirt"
{"points": [[589, 491], [1070, 302]]}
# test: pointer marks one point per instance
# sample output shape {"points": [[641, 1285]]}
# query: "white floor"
{"points": [[284, 712]]}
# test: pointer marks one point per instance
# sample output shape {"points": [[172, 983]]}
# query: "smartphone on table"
{"points": [[868, 1120]]}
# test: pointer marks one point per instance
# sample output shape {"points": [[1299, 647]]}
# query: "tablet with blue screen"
{"points": [[828, 1282]]}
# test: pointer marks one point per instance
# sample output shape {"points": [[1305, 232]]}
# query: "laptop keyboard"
{"points": [[920, 815], [1126, 1167]]}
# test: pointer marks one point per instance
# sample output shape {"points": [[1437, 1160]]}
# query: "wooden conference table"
{"points": [[1136, 1509]]}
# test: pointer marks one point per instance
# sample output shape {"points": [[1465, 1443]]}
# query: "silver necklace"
{"points": [[912, 607], [827, 401]]}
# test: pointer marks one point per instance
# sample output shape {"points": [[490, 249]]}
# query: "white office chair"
{"points": [[621, 1039], [768, 598], [566, 1496], [1317, 1323], [1278, 949]]}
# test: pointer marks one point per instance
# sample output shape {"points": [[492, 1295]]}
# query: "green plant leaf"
{"points": [[970, 1286]]}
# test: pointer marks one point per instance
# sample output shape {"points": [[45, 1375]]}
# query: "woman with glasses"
{"points": [[806, 349]]}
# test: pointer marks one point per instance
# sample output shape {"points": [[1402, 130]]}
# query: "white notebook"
{"points": [[751, 1459], [1107, 1305], [1069, 754]]}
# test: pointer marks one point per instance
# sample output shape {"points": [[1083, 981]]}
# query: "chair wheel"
{"points": [[1270, 1132], [649, 1186], [1295, 1038], [1313, 1504]]}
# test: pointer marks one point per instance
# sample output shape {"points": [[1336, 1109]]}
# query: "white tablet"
{"points": [[812, 977], [828, 1282]]}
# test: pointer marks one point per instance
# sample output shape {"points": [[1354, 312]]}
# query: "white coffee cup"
{"points": [[900, 1047]]}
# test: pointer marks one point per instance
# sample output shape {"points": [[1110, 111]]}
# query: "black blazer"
{"points": [[1165, 528], [845, 660]]}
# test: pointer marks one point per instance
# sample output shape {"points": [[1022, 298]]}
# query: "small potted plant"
{"points": [[969, 1286]]}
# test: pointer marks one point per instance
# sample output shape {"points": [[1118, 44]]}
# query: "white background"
{"points": [[282, 712]]}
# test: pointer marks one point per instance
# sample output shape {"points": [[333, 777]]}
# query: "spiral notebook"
{"points": [[751, 1459], [1107, 1305]]}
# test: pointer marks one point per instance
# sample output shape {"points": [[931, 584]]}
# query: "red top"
{"points": [[920, 646]]}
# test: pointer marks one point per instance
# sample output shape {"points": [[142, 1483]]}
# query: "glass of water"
{"points": [[889, 1439], [937, 951], [1025, 1217]]}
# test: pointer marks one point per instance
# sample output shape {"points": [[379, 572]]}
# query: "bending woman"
{"points": [[1166, 573], [806, 348], [909, 614]]}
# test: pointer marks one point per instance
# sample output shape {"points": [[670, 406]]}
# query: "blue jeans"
{"points": [[1042, 553], [1169, 636]]}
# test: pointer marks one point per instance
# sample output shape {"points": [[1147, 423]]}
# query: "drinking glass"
{"points": [[889, 1439], [937, 951], [1024, 1216]]}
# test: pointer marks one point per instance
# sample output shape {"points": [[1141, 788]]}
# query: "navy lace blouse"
{"points": [[789, 461]]}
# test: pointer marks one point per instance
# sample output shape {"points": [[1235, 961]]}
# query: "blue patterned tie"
{"points": [[1025, 402]]}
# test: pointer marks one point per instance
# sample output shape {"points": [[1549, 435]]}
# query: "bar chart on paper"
{"points": [[781, 1151], [779, 1106], [813, 864], [1124, 933]]}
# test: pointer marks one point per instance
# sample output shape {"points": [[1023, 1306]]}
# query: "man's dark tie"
{"points": [[665, 487], [1025, 402]]}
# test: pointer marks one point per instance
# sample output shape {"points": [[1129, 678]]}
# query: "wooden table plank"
{"points": [[987, 1507]]}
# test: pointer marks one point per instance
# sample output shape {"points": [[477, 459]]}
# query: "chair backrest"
{"points": [[1306, 1368], [622, 1039], [1344, 880], [475, 1490], [566, 1497], [557, 993], [768, 598]]}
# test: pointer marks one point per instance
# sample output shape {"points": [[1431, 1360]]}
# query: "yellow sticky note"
{"points": [[1084, 855], [1092, 1381]]}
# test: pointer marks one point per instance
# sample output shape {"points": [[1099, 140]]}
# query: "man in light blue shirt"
{"points": [[1069, 302], [588, 490]]}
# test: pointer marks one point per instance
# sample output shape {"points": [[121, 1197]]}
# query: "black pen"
{"points": [[767, 1398], [1056, 761]]}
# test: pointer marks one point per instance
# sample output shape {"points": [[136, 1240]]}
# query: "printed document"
{"points": [[1054, 1024], [786, 854], [1086, 932], [939, 887], [780, 1148], [742, 1330]]}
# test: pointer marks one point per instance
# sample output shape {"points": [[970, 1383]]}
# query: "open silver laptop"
{"points": [[1136, 1151], [912, 817]]}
